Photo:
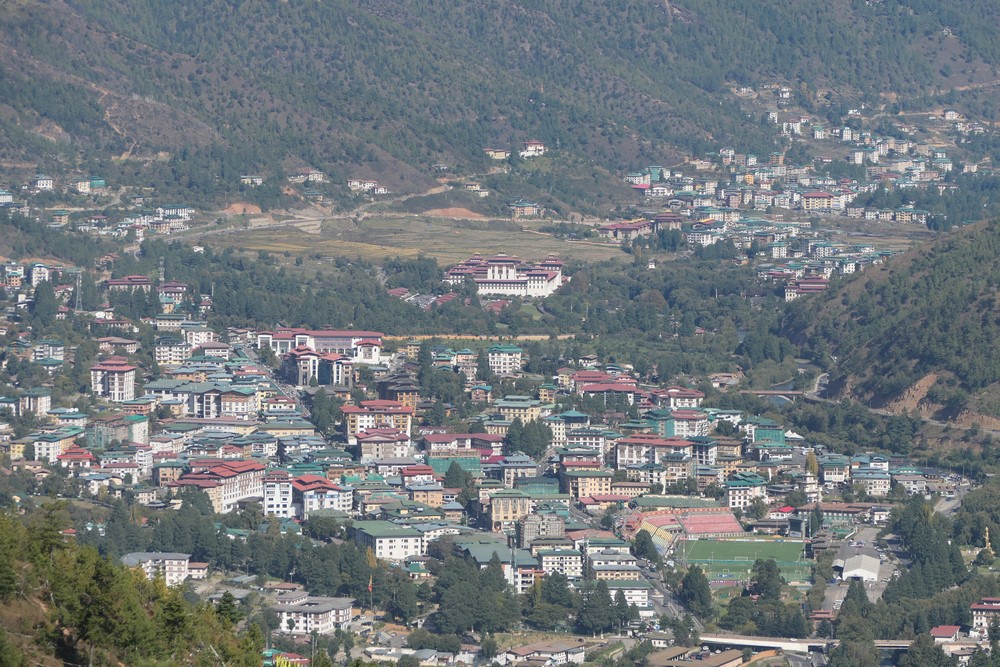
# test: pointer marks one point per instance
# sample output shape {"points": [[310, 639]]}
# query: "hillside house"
{"points": [[532, 148]]}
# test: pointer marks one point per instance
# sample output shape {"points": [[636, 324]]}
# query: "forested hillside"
{"points": [[64, 604], [394, 86], [931, 316]]}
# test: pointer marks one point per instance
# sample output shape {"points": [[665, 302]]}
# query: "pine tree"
{"points": [[404, 601], [227, 610], [456, 477], [767, 580], [696, 592], [643, 547], [492, 579], [8, 578], [483, 371], [621, 608], [555, 590], [596, 611], [514, 440], [489, 647], [10, 655], [45, 306]]}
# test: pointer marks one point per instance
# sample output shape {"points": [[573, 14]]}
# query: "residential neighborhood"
{"points": [[558, 479], [601, 475]]}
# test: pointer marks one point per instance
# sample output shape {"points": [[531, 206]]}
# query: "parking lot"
{"points": [[866, 537]]}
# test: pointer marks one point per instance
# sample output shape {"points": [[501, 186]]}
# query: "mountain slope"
{"points": [[922, 328], [394, 86]]}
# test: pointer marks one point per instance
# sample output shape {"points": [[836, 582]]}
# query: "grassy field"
{"points": [[725, 560], [448, 241]]}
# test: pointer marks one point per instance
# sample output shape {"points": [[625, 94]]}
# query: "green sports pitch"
{"points": [[730, 560]]}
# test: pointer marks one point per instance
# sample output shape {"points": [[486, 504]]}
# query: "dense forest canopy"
{"points": [[398, 85], [930, 311]]}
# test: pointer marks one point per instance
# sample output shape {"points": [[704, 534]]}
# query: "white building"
{"points": [[301, 614], [387, 540], [558, 652], [568, 562], [363, 347], [742, 492], [636, 591], [172, 567], [861, 566], [278, 494], [170, 351], [383, 443], [532, 148], [114, 379], [504, 359], [504, 275], [312, 492]]}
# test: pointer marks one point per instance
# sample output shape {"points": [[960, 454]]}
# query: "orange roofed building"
{"points": [[376, 415], [227, 484]]}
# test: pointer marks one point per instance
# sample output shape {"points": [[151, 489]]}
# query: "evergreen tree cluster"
{"points": [[919, 316], [760, 610], [600, 612], [474, 599], [532, 438], [98, 610], [936, 559]]}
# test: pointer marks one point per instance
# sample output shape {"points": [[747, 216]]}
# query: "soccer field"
{"points": [[729, 560]]}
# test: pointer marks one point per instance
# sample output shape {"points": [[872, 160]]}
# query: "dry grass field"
{"points": [[449, 241]]}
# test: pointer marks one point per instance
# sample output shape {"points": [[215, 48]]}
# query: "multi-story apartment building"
{"points": [[984, 614], [171, 351], [278, 494], [312, 492], [643, 448], [537, 526], [524, 408], [504, 360], [302, 614], [387, 540], [568, 562], [586, 483], [172, 567], [383, 443], [227, 484], [679, 398], [507, 507], [114, 379], [301, 365], [744, 489], [376, 415], [636, 591]]}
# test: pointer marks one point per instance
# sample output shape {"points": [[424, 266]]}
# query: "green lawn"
{"points": [[725, 560]]}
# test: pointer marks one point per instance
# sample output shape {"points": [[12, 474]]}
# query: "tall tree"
{"points": [[8, 577], [696, 592], [456, 477], [514, 440], [555, 590], [643, 547], [621, 608], [44, 306], [766, 580], [595, 613]]}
